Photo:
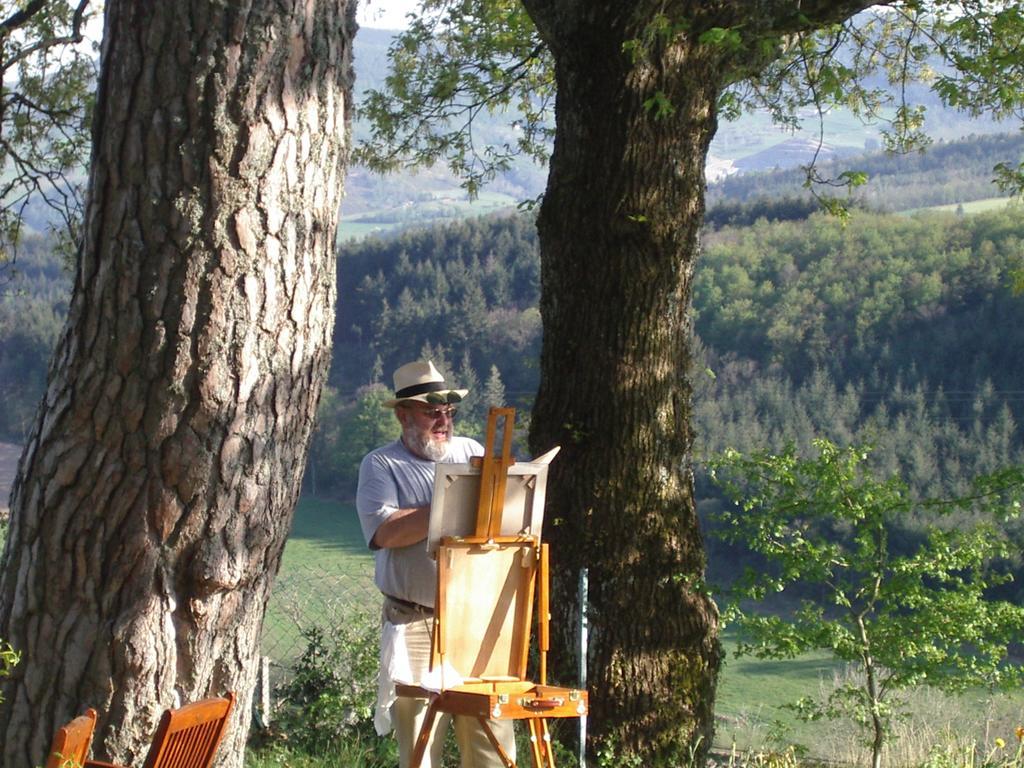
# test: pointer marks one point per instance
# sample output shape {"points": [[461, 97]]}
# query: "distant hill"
{"points": [[948, 172], [375, 204], [749, 145], [789, 153]]}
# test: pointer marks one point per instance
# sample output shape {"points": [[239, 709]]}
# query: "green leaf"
{"points": [[854, 178], [723, 37], [660, 105]]}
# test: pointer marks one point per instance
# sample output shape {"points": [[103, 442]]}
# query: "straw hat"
{"points": [[422, 382]]}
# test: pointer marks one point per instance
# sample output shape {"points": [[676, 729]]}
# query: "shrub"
{"points": [[330, 698]]}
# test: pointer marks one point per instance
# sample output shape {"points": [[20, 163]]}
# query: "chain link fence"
{"points": [[309, 599]]}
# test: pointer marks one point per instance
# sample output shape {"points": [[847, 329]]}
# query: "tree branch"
{"points": [[21, 17], [801, 16], [73, 38]]}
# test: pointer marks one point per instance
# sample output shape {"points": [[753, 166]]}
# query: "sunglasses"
{"points": [[436, 413]]}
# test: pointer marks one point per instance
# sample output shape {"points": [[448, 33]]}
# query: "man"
{"points": [[396, 483]]}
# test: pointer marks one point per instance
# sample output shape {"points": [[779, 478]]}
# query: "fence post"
{"points": [[583, 588], [263, 689]]}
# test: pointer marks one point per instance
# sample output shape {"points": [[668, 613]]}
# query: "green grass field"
{"points": [[751, 692], [325, 533], [326, 579], [445, 205], [979, 206], [353, 229], [973, 206]]}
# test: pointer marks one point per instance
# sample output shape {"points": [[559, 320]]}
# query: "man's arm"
{"points": [[386, 525], [402, 528]]}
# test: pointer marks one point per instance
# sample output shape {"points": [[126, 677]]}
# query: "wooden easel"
{"points": [[486, 585]]}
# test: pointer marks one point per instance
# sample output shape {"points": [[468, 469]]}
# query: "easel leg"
{"points": [[535, 744], [502, 754], [540, 742], [424, 735], [546, 736]]}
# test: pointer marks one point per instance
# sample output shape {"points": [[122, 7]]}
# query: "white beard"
{"points": [[422, 445]]}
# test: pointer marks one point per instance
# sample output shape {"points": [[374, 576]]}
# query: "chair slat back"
{"points": [[71, 743], [188, 737]]}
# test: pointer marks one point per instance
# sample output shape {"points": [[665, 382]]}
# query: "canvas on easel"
{"points": [[491, 571], [453, 511]]}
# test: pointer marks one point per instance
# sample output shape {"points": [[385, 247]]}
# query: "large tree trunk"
{"points": [[156, 490], [618, 237]]}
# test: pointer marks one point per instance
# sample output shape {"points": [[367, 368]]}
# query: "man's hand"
{"points": [[402, 528]]}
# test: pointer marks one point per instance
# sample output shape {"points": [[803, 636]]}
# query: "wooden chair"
{"points": [[187, 737], [487, 585], [71, 743]]}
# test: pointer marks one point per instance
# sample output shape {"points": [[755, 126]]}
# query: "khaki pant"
{"points": [[407, 714]]}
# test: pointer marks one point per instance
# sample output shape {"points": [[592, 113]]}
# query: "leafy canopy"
{"points": [[48, 75], [460, 57], [456, 60]]}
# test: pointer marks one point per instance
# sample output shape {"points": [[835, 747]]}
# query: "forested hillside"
{"points": [[465, 289], [902, 331], [948, 172], [33, 302], [899, 331]]}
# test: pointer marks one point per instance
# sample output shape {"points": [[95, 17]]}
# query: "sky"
{"points": [[384, 14], [373, 14]]}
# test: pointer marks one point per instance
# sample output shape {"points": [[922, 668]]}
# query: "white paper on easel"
{"points": [[457, 493], [545, 458], [441, 678]]}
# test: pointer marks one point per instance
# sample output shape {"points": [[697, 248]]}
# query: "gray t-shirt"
{"points": [[392, 478]]}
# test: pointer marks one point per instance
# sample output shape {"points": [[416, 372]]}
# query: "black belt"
{"points": [[410, 605]]}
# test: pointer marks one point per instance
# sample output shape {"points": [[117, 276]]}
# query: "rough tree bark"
{"points": [[617, 225], [156, 490], [618, 231]]}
